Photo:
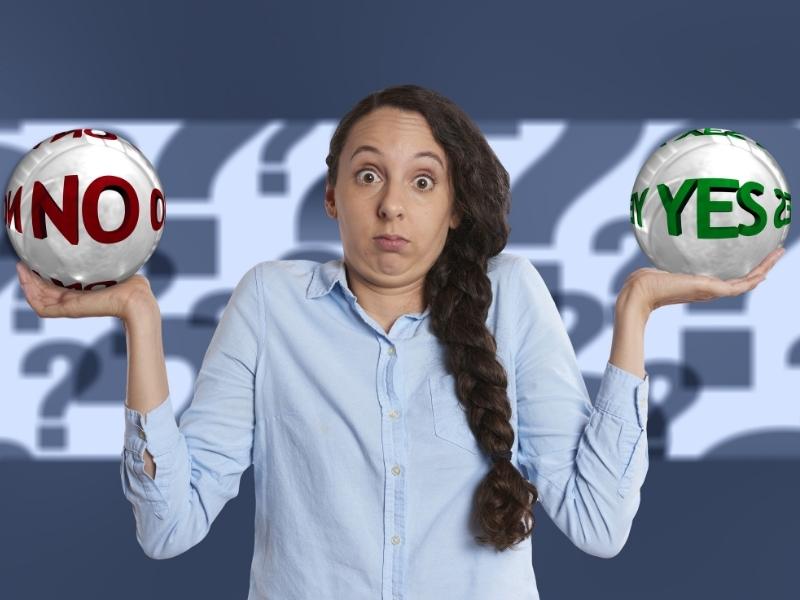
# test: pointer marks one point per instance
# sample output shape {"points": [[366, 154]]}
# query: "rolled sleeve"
{"points": [[624, 395], [619, 427], [157, 430]]}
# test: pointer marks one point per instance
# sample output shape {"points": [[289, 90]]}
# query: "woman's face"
{"points": [[393, 178]]}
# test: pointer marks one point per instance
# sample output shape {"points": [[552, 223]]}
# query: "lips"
{"points": [[391, 245], [393, 238]]}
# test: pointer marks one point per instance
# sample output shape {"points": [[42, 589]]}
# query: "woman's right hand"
{"points": [[50, 300]]}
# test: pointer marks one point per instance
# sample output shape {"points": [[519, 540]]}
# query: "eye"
{"points": [[425, 179], [369, 176]]}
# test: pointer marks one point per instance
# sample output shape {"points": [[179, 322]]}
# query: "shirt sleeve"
{"points": [[199, 462], [587, 460]]}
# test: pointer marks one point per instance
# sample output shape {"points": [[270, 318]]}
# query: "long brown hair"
{"points": [[459, 294]]}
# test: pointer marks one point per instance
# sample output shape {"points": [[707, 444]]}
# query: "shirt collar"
{"points": [[326, 275]]}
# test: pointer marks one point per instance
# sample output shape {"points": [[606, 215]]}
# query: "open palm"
{"points": [[50, 300], [659, 288]]}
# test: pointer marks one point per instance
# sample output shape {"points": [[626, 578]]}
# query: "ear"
{"points": [[330, 201], [455, 220]]}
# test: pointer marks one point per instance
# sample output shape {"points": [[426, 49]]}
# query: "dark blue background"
{"points": [[704, 530], [625, 59]]}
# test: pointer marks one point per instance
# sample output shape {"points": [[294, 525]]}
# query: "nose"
{"points": [[391, 204]]}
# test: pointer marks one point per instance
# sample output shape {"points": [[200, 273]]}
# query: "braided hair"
{"points": [[458, 291]]}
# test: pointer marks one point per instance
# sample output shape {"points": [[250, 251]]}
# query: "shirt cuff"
{"points": [[157, 430], [624, 395]]}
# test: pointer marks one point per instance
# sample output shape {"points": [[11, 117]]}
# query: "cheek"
{"points": [[433, 232], [355, 226]]}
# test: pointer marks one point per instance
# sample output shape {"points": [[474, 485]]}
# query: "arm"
{"points": [[587, 459], [627, 345], [197, 466], [147, 372]]}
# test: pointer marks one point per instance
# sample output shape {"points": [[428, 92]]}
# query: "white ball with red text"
{"points": [[84, 209]]}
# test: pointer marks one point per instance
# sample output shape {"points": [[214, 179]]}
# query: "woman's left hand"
{"points": [[656, 287]]}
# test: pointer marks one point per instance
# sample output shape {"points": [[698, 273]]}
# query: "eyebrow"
{"points": [[429, 154]]}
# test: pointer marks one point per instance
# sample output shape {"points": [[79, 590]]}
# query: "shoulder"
{"points": [[272, 273], [506, 264], [284, 268], [282, 280], [519, 278]]}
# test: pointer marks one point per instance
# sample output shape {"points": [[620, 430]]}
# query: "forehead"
{"points": [[393, 132]]}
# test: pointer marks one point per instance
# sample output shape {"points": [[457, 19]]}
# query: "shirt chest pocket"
{"points": [[449, 417]]}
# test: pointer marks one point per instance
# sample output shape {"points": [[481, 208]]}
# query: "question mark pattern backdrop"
{"points": [[724, 374]]}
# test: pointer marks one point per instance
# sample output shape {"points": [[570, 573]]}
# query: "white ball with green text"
{"points": [[710, 202]]}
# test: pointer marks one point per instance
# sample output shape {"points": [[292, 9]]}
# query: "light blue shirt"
{"points": [[364, 464]]}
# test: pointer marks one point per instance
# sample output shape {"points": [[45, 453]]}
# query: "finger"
{"points": [[744, 286], [736, 287], [778, 255], [771, 258], [754, 275], [35, 299], [763, 267], [755, 281], [759, 269], [45, 301], [28, 277], [21, 272]]}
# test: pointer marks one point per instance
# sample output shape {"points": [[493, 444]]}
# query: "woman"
{"points": [[371, 480]]}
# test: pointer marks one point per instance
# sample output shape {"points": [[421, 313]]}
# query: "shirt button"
{"points": [[392, 351], [394, 413], [396, 470], [395, 539]]}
